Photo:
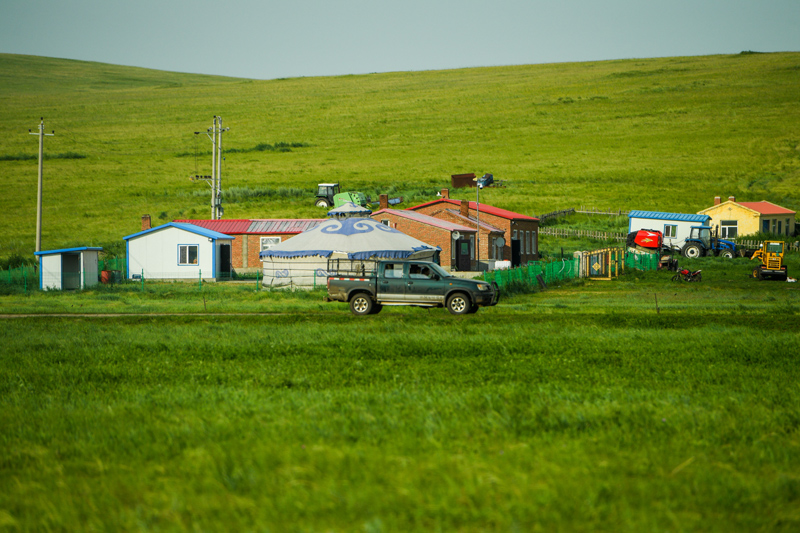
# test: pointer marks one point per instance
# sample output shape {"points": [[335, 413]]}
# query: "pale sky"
{"points": [[266, 39]]}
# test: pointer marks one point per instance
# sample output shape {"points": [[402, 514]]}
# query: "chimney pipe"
{"points": [[731, 198], [464, 208], [384, 201], [717, 200], [446, 194], [145, 222]]}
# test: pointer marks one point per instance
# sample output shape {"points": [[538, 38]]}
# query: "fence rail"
{"points": [[594, 211], [747, 243], [591, 234], [555, 214]]}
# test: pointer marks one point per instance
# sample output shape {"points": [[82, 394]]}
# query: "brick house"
{"points": [[255, 235], [457, 253], [745, 218], [520, 241]]}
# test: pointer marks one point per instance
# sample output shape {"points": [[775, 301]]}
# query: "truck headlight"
{"points": [[482, 287]]}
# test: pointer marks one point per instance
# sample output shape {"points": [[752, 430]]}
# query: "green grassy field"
{"points": [[666, 134], [633, 404], [637, 404]]}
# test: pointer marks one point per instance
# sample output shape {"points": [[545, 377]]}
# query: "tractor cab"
{"points": [[702, 234], [325, 194]]}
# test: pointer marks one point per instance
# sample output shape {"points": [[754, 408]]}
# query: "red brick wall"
{"points": [[426, 233], [253, 249], [440, 210]]}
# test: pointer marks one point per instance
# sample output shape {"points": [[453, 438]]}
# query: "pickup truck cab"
{"points": [[417, 283]]}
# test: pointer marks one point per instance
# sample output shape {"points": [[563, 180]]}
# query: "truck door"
{"points": [[392, 283], [423, 285]]}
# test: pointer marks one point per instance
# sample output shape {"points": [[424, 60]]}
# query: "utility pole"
{"points": [[220, 131], [215, 179], [41, 135], [214, 170]]}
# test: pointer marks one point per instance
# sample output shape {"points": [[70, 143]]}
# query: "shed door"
{"points": [[225, 260]]}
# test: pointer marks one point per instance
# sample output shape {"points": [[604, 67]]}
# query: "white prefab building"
{"points": [[178, 251], [68, 268], [676, 227]]}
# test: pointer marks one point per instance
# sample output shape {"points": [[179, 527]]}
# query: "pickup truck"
{"points": [[418, 283]]}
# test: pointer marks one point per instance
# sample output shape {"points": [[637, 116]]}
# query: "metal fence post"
{"points": [[200, 275], [142, 280]]}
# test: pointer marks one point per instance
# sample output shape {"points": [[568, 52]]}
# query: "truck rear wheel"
{"points": [[458, 304], [361, 304]]}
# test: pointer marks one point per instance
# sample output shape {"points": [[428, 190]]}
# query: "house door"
{"points": [[225, 260], [515, 252], [463, 262], [765, 226]]}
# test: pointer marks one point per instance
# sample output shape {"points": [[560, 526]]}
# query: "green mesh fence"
{"points": [[25, 277], [526, 275], [642, 261]]}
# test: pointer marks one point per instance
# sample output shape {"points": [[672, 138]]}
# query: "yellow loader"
{"points": [[771, 257]]}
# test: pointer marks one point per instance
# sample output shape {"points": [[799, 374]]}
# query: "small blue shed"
{"points": [[68, 268]]}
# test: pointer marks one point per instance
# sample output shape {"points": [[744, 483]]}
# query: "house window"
{"points": [[533, 243], [472, 246], [774, 223], [728, 229], [187, 254], [779, 228], [386, 222], [670, 231], [269, 242], [527, 242]]}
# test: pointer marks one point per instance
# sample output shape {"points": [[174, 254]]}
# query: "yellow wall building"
{"points": [[736, 219]]}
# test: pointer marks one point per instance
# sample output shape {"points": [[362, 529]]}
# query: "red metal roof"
{"points": [[766, 208], [426, 219], [258, 226], [496, 211]]}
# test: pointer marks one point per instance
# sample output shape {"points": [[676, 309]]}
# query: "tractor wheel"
{"points": [[692, 250], [322, 202], [361, 304], [458, 304], [727, 253]]}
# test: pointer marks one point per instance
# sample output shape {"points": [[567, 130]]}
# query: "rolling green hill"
{"points": [[665, 134]]}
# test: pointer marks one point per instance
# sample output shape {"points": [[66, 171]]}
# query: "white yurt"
{"points": [[302, 261]]}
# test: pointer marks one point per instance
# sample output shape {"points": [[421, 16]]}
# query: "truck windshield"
{"points": [[439, 270]]}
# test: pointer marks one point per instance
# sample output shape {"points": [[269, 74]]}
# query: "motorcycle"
{"points": [[688, 275]]}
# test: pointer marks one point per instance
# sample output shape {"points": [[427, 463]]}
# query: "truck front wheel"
{"points": [[458, 304], [361, 304]]}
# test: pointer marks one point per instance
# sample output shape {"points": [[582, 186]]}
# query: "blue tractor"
{"points": [[701, 242]]}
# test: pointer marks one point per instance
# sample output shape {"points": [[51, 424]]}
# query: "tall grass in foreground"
{"points": [[584, 409]]}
